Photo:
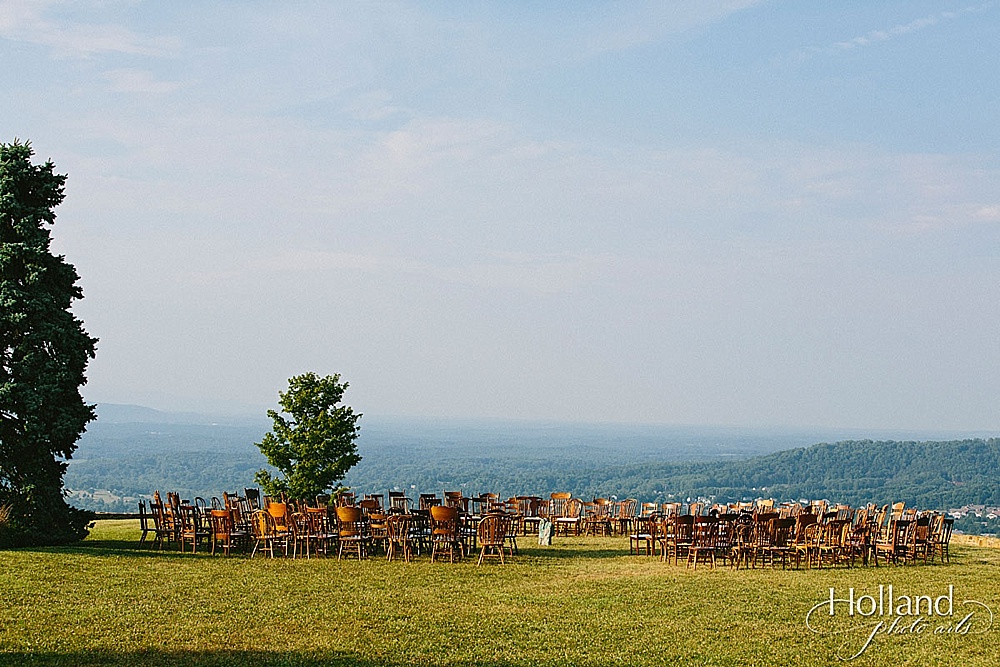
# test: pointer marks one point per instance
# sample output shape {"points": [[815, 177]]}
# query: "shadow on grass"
{"points": [[559, 551], [167, 658], [225, 658], [122, 549], [572, 551]]}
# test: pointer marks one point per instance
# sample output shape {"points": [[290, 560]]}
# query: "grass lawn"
{"points": [[582, 601]]}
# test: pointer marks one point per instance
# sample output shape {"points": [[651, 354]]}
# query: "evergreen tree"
{"points": [[44, 352], [313, 447]]}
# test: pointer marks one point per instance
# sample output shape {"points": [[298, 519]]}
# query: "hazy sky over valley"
{"points": [[746, 213]]}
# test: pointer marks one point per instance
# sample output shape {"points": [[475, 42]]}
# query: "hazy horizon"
{"points": [[121, 413]]}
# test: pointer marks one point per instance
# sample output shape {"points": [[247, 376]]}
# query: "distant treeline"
{"points": [[938, 475]]}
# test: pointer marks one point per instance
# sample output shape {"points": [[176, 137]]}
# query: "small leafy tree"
{"points": [[44, 352], [313, 446]]}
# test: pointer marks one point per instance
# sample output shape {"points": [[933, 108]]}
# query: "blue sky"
{"points": [[737, 213]]}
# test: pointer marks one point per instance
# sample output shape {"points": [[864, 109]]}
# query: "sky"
{"points": [[767, 213]]}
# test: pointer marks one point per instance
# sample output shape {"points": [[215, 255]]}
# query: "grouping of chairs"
{"points": [[440, 530], [191, 523], [599, 516], [343, 525], [223, 524], [816, 536]]}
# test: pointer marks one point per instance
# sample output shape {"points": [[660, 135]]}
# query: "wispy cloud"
{"points": [[644, 24], [588, 31], [531, 273], [877, 36], [33, 23], [987, 213], [130, 80]]}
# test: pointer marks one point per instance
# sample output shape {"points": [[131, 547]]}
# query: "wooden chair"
{"points": [[598, 518], [428, 500], [192, 529], [242, 510], [920, 546], [266, 537], [764, 505], [479, 505], [398, 529], [320, 532], [492, 533], [281, 513], [642, 533], [203, 509], [458, 500], [482, 504], [646, 509], [173, 502], [165, 524], [300, 535], [510, 530], [145, 523], [420, 530], [555, 504], [834, 546], [253, 498], [378, 531], [703, 537], [667, 509], [860, 538], [351, 534], [761, 535], [571, 517], [807, 544], [527, 507], [446, 537], [399, 503], [724, 537], [677, 541], [743, 544], [224, 532], [512, 508], [370, 506], [779, 543], [805, 537], [622, 521], [377, 497], [940, 537], [893, 544]]}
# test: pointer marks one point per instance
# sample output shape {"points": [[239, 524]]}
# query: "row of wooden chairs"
{"points": [[570, 516], [185, 524], [350, 530], [836, 538]]}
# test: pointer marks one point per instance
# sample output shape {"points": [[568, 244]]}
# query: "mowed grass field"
{"points": [[582, 601]]}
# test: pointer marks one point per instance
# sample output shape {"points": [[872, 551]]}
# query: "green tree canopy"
{"points": [[313, 446], [44, 352]]}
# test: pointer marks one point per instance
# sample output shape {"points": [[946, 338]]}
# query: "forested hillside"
{"points": [[926, 474]]}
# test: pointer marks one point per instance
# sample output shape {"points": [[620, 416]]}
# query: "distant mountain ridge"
{"points": [[124, 413]]}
